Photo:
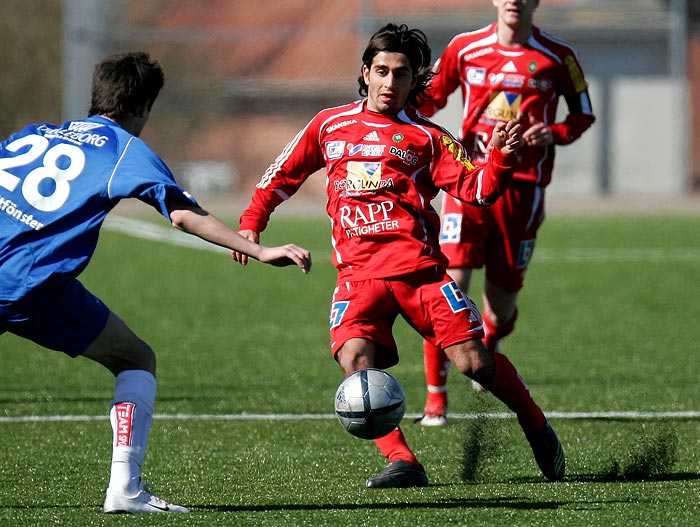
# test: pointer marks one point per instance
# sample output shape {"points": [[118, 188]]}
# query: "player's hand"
{"points": [[538, 134], [249, 235], [506, 137], [284, 255]]}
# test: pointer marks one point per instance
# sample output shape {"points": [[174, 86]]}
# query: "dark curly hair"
{"points": [[125, 84], [413, 43]]}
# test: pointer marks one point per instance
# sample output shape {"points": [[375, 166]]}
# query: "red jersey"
{"points": [[501, 84], [383, 171]]}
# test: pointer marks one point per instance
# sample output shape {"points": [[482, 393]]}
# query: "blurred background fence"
{"points": [[242, 77]]}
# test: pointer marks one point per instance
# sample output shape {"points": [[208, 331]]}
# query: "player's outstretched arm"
{"points": [[194, 220]]}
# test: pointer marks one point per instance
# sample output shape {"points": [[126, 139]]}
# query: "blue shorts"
{"points": [[60, 315]]}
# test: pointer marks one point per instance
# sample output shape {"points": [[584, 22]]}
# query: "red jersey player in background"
{"points": [[385, 163], [509, 70]]}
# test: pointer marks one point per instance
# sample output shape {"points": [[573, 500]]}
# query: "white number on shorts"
{"points": [[455, 297], [337, 311]]}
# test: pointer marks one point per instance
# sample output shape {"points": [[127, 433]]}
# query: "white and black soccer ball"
{"points": [[369, 403]]}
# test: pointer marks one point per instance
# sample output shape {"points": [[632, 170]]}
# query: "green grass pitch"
{"points": [[609, 322]]}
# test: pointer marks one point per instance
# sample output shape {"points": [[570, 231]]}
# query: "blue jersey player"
{"points": [[57, 184]]}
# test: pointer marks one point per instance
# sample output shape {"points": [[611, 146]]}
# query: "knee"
{"points": [[461, 275], [355, 354], [119, 349], [500, 305], [500, 317], [143, 359], [472, 359], [133, 358]]}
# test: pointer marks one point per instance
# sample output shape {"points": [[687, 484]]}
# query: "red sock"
{"points": [[509, 387], [493, 333], [436, 367], [394, 447]]}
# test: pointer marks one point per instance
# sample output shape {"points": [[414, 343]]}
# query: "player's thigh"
{"points": [[517, 218], [464, 233], [366, 310], [438, 309], [60, 315], [356, 354], [463, 277], [499, 304]]}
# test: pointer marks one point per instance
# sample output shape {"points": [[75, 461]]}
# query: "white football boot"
{"points": [[434, 415], [143, 503]]}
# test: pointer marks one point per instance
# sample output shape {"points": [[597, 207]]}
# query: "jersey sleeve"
{"points": [[444, 82], [298, 160], [473, 184], [141, 174], [574, 89]]}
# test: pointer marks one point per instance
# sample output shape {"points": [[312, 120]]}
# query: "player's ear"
{"points": [[365, 74]]}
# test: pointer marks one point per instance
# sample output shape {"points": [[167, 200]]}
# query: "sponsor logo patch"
{"points": [[457, 151], [575, 72], [409, 157], [458, 301], [124, 413], [504, 106], [338, 309], [451, 228], [366, 150], [335, 149], [477, 53], [82, 126], [539, 84], [507, 80], [367, 219], [363, 177], [525, 253], [341, 124], [509, 67], [476, 76]]}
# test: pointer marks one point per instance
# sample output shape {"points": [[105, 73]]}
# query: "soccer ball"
{"points": [[369, 403]]}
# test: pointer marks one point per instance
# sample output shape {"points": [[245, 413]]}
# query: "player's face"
{"points": [[389, 81], [515, 13]]}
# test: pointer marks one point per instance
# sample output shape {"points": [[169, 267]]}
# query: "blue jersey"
{"points": [[57, 185]]}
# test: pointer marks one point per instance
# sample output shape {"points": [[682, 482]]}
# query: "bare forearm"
{"points": [[194, 220], [200, 223]]}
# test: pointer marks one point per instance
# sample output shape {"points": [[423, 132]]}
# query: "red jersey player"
{"points": [[509, 70], [385, 163]]}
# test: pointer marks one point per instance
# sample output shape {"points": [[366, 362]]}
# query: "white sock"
{"points": [[131, 416]]}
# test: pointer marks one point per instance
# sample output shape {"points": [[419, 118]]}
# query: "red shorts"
{"points": [[500, 237], [429, 300]]}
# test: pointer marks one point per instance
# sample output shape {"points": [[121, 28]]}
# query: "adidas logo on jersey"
{"points": [[509, 67], [82, 126], [372, 136]]}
